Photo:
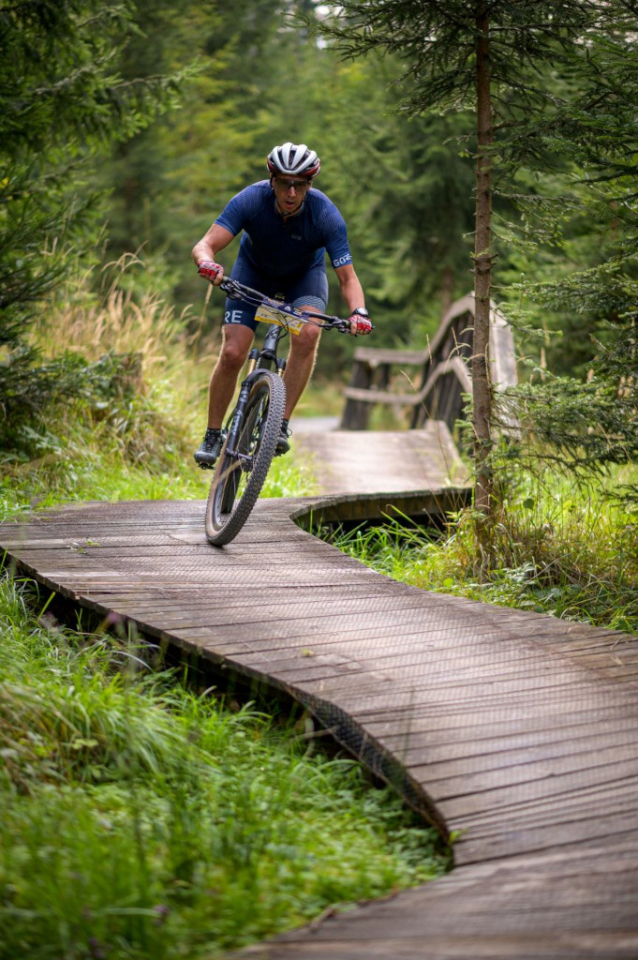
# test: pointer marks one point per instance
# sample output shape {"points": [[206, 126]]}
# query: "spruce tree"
{"points": [[586, 418], [62, 103], [492, 57]]}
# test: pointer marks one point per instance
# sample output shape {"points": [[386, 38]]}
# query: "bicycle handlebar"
{"points": [[239, 291]]}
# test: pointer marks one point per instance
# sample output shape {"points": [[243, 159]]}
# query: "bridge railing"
{"points": [[442, 368]]}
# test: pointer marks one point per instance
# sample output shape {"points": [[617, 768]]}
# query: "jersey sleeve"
{"points": [[337, 239], [240, 209]]}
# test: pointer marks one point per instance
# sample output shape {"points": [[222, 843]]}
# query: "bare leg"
{"points": [[301, 361], [236, 345]]}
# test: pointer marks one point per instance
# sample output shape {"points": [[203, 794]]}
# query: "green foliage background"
{"points": [[126, 127]]}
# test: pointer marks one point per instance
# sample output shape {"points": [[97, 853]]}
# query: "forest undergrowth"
{"points": [[128, 431], [560, 547]]}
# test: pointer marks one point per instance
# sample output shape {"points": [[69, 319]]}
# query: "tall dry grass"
{"points": [[126, 315]]}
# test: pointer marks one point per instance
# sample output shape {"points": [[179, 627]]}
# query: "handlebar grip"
{"points": [[343, 326], [209, 269]]}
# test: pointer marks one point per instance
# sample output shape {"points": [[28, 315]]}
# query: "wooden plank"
{"points": [[560, 803], [570, 769], [575, 807], [490, 747]]}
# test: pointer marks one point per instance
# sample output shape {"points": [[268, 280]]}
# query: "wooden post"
{"points": [[356, 415]]}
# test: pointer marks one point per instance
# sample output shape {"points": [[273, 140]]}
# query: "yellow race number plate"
{"points": [[271, 315]]}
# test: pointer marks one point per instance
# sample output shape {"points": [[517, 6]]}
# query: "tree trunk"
{"points": [[481, 386]]}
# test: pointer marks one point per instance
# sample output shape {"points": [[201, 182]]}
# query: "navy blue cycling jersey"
{"points": [[285, 249]]}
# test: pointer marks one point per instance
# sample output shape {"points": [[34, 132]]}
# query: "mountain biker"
{"points": [[288, 226]]}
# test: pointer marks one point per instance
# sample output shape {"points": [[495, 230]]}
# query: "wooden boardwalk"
{"points": [[515, 731], [382, 462]]}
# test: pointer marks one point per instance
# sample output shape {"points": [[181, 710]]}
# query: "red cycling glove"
{"points": [[210, 270], [362, 322]]}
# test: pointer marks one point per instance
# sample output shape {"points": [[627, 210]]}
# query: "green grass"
{"points": [[322, 397], [145, 457], [84, 474], [142, 819], [557, 548]]}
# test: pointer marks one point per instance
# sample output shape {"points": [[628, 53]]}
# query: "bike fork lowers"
{"points": [[238, 416]]}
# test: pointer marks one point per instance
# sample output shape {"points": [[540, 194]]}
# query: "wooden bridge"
{"points": [[384, 376], [515, 732]]}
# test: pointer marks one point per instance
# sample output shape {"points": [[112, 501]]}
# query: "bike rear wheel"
{"points": [[238, 479]]}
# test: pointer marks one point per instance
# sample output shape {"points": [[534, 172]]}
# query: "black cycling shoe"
{"points": [[208, 453], [282, 443]]}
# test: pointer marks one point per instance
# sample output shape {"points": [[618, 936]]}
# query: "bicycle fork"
{"points": [[268, 353], [238, 415]]}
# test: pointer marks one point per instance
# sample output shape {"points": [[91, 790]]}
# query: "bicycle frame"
{"points": [[268, 352]]}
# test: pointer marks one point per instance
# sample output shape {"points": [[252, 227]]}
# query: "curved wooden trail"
{"points": [[516, 731]]}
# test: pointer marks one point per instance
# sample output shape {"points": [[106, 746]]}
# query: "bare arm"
{"points": [[211, 243], [352, 293], [351, 289]]}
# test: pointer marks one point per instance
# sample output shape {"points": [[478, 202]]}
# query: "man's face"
{"points": [[290, 192]]}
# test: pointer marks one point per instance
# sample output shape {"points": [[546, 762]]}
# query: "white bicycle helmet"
{"points": [[294, 159]]}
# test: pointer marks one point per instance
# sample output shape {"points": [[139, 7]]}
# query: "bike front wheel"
{"points": [[239, 476]]}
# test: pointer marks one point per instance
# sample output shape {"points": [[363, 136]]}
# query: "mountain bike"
{"points": [[254, 426]]}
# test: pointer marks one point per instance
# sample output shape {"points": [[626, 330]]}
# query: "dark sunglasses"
{"points": [[297, 185]]}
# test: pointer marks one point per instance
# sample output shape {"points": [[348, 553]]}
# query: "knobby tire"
{"points": [[234, 492]]}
